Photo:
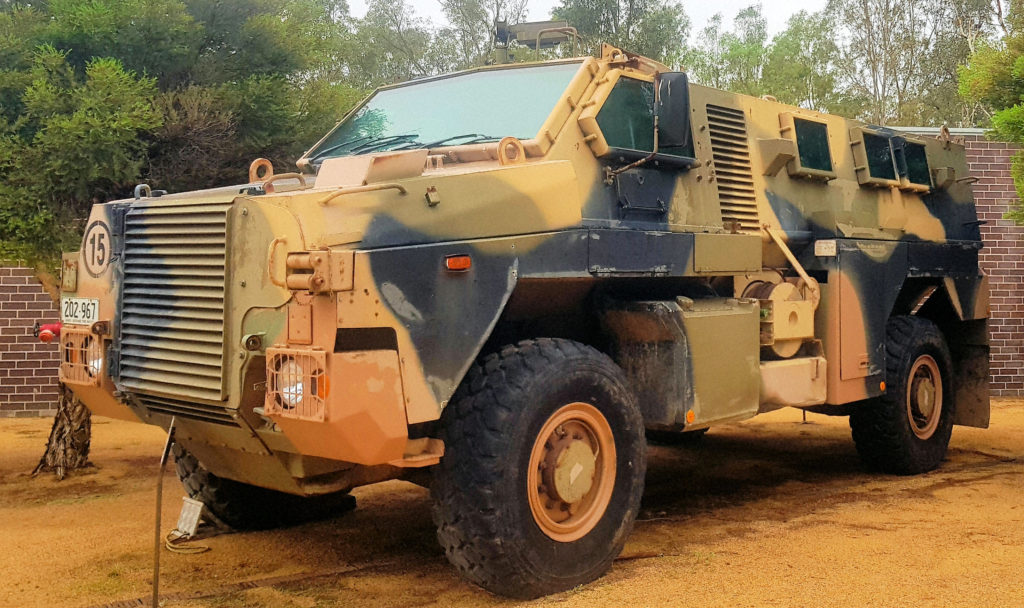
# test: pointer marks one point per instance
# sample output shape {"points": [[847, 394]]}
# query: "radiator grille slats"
{"points": [[733, 173], [175, 407], [172, 324]]}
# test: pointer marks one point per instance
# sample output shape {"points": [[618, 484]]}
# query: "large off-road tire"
{"points": [[543, 469], [906, 431], [247, 507]]}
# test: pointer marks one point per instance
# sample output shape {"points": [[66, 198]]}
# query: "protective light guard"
{"points": [[78, 348], [297, 372]]}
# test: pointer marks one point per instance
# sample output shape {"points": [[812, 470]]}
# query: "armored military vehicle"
{"points": [[500, 278]]}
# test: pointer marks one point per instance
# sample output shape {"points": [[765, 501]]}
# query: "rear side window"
{"points": [[917, 164], [886, 159]]}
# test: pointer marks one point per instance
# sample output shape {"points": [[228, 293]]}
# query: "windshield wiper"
{"points": [[377, 144], [351, 146], [476, 138], [329, 149]]}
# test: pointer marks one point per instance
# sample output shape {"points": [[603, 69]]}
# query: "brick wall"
{"points": [[1002, 258], [28, 368]]}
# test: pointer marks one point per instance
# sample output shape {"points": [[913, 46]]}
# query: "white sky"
{"points": [[776, 11]]}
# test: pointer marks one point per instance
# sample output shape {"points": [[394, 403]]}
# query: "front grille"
{"points": [[185, 409], [731, 154], [172, 323]]}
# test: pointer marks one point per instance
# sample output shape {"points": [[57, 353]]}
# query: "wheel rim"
{"points": [[572, 472], [924, 396]]}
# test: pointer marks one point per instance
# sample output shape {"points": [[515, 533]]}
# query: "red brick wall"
{"points": [[28, 368], [1003, 260]]}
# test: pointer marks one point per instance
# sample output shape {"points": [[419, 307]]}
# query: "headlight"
{"points": [[297, 383], [96, 364], [291, 383], [92, 354]]}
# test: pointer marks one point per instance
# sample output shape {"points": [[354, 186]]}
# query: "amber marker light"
{"points": [[458, 263], [881, 386]]}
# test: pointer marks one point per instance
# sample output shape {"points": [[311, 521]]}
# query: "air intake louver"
{"points": [[172, 325], [732, 168]]}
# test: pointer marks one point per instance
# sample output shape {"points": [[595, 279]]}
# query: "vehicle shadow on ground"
{"points": [[721, 486]]}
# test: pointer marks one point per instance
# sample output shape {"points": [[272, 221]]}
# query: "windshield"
{"points": [[466, 108]]}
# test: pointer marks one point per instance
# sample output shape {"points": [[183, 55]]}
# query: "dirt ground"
{"points": [[770, 512]]}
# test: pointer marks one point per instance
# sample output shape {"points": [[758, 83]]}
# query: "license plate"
{"points": [[79, 311]]}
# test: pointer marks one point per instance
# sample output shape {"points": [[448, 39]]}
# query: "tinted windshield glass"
{"points": [[474, 107]]}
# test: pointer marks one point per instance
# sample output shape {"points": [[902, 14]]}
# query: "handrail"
{"points": [[271, 258], [268, 185], [358, 189]]}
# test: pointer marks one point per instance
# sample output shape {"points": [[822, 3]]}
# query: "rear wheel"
{"points": [[247, 507], [543, 469], [906, 431]]}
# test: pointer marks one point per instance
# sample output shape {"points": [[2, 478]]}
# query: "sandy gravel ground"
{"points": [[771, 512]]}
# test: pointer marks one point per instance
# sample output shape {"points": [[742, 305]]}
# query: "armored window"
{"points": [[883, 158], [917, 164], [812, 144], [627, 121], [811, 155], [879, 157], [627, 118]]}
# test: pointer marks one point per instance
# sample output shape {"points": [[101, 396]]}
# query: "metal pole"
{"points": [[159, 504]]}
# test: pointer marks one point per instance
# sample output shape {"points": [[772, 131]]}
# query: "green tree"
{"points": [[472, 22], [151, 37], [654, 28], [395, 45], [85, 135], [994, 76], [732, 59], [802, 63]]}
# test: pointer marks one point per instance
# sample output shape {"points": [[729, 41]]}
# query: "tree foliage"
{"points": [[98, 95], [654, 28], [994, 77], [76, 140]]}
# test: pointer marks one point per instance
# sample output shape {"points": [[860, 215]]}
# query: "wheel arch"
{"points": [[959, 308]]}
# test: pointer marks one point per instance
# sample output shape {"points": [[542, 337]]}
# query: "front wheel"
{"points": [[543, 469], [906, 431], [246, 507]]}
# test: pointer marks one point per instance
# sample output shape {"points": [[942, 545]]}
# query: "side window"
{"points": [[627, 117], [812, 144], [917, 164], [813, 154], [880, 163], [886, 159]]}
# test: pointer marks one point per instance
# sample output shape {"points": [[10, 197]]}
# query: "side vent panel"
{"points": [[733, 174]]}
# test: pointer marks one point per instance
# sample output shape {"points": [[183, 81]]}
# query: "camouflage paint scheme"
{"points": [[651, 268]]}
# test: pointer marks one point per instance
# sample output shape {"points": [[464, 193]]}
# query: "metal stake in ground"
{"points": [[159, 503]]}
